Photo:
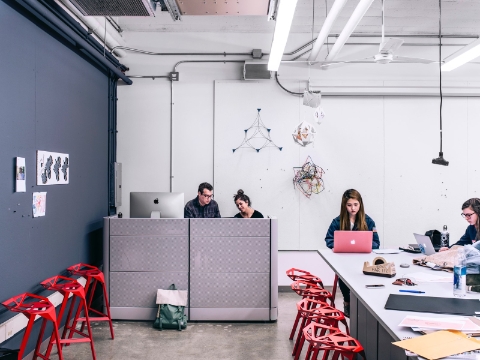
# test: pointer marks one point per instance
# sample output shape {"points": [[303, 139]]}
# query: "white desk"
{"points": [[373, 325]]}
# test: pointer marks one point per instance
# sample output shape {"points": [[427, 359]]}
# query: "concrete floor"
{"points": [[251, 341]]}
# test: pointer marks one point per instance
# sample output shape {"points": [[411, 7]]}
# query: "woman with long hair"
{"points": [[352, 217], [471, 213]]}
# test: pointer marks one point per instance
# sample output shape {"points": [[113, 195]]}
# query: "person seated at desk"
{"points": [[244, 205], [352, 217], [203, 206], [471, 213]]}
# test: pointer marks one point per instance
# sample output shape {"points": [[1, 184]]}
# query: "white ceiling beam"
{"points": [[327, 26], [352, 23]]}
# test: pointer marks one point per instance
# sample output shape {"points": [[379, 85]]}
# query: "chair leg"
{"points": [[89, 328], [28, 330], [294, 328], [107, 305]]}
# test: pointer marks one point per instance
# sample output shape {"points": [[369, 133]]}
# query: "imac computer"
{"points": [[156, 205]]}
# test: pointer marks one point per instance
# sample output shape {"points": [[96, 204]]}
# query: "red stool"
{"points": [[308, 293], [320, 312], [40, 306], [67, 286], [93, 276], [337, 341], [298, 274]]}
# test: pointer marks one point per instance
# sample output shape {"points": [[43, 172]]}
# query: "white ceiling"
{"points": [[404, 17]]}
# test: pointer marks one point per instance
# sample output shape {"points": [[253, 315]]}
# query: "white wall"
{"points": [[403, 191]]}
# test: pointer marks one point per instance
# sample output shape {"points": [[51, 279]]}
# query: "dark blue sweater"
{"points": [[335, 225], [467, 238]]}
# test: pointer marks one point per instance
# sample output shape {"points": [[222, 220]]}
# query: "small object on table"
{"points": [[404, 265], [413, 291], [380, 267]]}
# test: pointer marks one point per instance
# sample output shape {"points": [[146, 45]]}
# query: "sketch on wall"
{"points": [[20, 175], [39, 204], [52, 168], [260, 138], [308, 178]]}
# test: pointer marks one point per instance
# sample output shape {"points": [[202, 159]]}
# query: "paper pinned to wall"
{"points": [[20, 175], [52, 168], [39, 204]]}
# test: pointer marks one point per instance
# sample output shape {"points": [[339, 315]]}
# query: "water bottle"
{"points": [[445, 237], [460, 274]]}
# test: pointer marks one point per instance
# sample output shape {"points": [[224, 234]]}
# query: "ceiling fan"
{"points": [[386, 51]]}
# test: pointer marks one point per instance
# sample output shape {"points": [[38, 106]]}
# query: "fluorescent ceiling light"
{"points": [[285, 12], [327, 25], [350, 26], [462, 56]]}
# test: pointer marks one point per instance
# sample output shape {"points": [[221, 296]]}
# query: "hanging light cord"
{"points": [[440, 68]]}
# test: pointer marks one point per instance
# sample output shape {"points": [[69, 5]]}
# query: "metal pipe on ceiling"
{"points": [[350, 26], [55, 23], [327, 26]]}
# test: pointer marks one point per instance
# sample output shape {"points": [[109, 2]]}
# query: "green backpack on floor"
{"points": [[171, 316]]}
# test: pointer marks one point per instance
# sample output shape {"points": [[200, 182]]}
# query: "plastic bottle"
{"points": [[445, 237], [460, 274]]}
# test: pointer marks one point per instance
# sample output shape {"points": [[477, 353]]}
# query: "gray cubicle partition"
{"points": [[229, 266]]}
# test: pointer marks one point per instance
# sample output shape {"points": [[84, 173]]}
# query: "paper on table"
{"points": [[387, 251], [433, 323], [439, 344], [425, 277]]}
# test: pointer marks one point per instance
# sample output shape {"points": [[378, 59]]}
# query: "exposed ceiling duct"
{"points": [[115, 7]]}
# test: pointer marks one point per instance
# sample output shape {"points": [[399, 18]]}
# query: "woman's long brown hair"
{"points": [[474, 204], [360, 222]]}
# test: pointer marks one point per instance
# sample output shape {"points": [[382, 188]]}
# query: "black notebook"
{"points": [[430, 304]]}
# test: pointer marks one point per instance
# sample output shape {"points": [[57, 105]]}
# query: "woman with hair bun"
{"points": [[244, 205], [471, 213]]}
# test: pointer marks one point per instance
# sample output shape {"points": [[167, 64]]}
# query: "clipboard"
{"points": [[436, 305]]}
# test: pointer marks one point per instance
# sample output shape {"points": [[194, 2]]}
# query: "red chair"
{"points": [[31, 306], [94, 277], [320, 312], [298, 274], [67, 286], [312, 293], [333, 339]]}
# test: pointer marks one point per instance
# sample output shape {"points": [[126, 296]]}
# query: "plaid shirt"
{"points": [[193, 209]]}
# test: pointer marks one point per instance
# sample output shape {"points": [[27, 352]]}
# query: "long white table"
{"points": [[373, 325]]}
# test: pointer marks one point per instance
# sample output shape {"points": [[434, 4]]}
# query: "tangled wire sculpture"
{"points": [[308, 178], [258, 133]]}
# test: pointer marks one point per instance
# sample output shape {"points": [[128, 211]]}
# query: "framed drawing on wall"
{"points": [[52, 168]]}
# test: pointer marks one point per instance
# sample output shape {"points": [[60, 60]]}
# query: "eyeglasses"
{"points": [[404, 281], [207, 196], [467, 216]]}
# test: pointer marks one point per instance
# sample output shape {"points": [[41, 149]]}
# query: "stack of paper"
{"points": [[440, 344], [464, 324]]}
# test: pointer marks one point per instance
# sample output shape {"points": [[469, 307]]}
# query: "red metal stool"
{"points": [[308, 293], [298, 274], [93, 276], [67, 286], [337, 341], [320, 312], [38, 306]]}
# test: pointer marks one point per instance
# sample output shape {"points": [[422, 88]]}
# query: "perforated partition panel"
{"points": [[228, 266]]}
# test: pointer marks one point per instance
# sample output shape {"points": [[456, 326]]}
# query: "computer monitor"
{"points": [[156, 205]]}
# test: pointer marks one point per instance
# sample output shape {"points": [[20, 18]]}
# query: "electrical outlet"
{"points": [[14, 325], [3, 333]]}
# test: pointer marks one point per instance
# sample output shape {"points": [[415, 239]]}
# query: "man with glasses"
{"points": [[203, 206]]}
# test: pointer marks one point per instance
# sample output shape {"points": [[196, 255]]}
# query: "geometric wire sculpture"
{"points": [[260, 131], [308, 178]]}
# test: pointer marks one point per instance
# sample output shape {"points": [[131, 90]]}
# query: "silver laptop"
{"points": [[425, 244]]}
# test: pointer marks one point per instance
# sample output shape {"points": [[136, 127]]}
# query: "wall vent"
{"points": [[256, 70], [115, 7]]}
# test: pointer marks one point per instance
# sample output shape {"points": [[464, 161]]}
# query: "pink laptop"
{"points": [[352, 241]]}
